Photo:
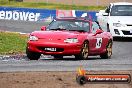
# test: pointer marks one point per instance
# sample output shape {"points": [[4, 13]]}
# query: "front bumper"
{"points": [[121, 31], [61, 48]]}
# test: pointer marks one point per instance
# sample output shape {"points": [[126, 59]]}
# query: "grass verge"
{"points": [[48, 5], [12, 43]]}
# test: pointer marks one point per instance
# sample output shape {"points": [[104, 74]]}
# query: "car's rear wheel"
{"points": [[84, 51], [32, 55], [108, 53], [58, 57]]}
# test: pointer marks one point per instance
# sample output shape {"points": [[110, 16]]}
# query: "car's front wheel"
{"points": [[32, 55], [108, 53], [84, 51]]}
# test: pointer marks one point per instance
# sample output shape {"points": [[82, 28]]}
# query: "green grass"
{"points": [[12, 43], [48, 5]]}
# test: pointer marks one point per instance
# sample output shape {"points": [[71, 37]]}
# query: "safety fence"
{"points": [[46, 15]]}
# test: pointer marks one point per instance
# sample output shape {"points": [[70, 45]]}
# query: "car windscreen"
{"points": [[121, 10], [70, 25]]}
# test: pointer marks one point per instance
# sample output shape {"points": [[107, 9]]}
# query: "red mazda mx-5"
{"points": [[80, 37]]}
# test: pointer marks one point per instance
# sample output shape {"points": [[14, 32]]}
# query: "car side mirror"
{"points": [[99, 31], [43, 28]]}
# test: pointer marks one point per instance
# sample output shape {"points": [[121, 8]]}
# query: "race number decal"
{"points": [[99, 42]]}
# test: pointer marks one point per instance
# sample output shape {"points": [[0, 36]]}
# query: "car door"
{"points": [[97, 39]]}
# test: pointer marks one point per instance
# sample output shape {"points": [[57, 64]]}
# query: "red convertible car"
{"points": [[80, 37]]}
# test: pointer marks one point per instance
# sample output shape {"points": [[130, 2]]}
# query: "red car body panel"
{"points": [[55, 39]]}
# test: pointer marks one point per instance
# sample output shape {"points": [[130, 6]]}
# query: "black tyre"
{"points": [[32, 55], [84, 51], [58, 56], [81, 80], [108, 53]]}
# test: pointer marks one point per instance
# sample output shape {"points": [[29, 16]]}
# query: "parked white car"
{"points": [[117, 19]]}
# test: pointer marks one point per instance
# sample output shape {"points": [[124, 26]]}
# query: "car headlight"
{"points": [[71, 40], [32, 38], [118, 25]]}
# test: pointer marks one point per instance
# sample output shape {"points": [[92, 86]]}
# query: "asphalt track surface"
{"points": [[121, 58]]}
